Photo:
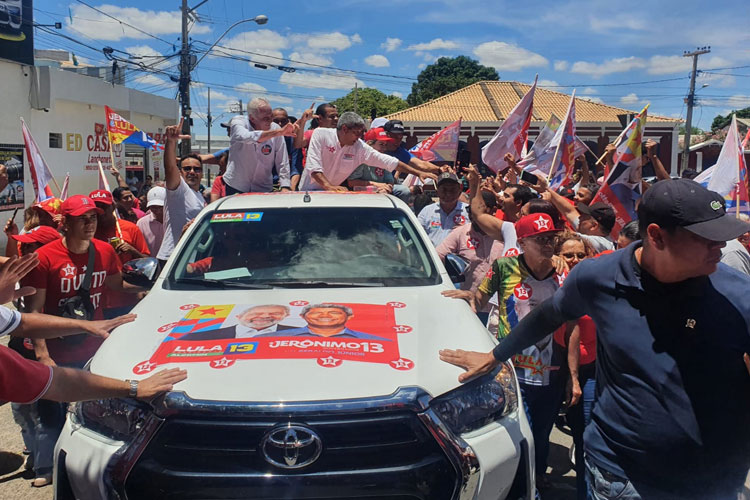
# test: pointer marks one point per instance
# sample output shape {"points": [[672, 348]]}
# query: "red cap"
{"points": [[534, 224], [379, 134], [78, 205], [39, 234], [51, 205], [102, 196]]}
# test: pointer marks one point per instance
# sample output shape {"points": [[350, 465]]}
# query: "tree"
{"points": [[369, 102], [446, 75], [693, 130], [722, 121]]}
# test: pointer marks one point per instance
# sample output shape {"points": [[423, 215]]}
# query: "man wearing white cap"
{"points": [[152, 225]]}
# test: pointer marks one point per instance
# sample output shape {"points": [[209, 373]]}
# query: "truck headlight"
{"points": [[479, 402], [119, 419]]}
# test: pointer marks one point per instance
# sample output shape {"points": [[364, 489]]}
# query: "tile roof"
{"points": [[491, 101]]}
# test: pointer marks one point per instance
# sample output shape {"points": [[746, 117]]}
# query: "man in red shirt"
{"points": [[128, 242]]}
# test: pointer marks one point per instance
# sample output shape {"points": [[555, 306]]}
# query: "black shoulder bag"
{"points": [[80, 306]]}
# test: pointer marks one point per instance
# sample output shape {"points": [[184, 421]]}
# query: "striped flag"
{"points": [[622, 187], [440, 146], [564, 143], [40, 173], [512, 134]]}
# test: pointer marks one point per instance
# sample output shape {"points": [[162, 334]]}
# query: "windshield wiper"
{"points": [[223, 284], [322, 284]]}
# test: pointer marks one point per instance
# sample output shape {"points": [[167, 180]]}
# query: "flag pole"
{"points": [[455, 161], [562, 124], [117, 215]]}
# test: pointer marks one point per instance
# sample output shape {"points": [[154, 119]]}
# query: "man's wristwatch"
{"points": [[133, 388]]}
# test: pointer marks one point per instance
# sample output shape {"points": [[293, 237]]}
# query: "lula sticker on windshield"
{"points": [[237, 217], [331, 333]]}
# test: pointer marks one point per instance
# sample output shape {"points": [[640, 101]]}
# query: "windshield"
{"points": [[299, 247]]}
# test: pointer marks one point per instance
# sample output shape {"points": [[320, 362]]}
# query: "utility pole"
{"points": [[209, 118], [690, 101], [355, 97], [184, 87]]}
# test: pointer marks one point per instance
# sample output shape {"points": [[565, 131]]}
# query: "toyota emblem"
{"points": [[291, 446]]}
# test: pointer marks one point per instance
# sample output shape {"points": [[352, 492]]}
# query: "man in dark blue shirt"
{"points": [[672, 415]]}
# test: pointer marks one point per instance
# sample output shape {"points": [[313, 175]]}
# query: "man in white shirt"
{"points": [[256, 145], [152, 224], [183, 201], [334, 154], [440, 218]]}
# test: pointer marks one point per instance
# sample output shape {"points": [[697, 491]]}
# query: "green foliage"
{"points": [[368, 100], [446, 75], [693, 130], [722, 121]]}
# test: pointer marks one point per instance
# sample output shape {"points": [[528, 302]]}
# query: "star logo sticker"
{"points": [[297, 303], [69, 270], [522, 291], [397, 305], [403, 364], [513, 252], [541, 223], [188, 307], [330, 361], [472, 243], [331, 149], [145, 367], [222, 363]]}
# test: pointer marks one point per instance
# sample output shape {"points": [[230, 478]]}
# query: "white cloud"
{"points": [[100, 27], [664, 65], [436, 44], [397, 94], [617, 65], [217, 97], [629, 99], [377, 60], [737, 101], [589, 91], [310, 58], [324, 42], [548, 84], [601, 24], [721, 81], [507, 57], [562, 65], [149, 79], [421, 66], [255, 90], [322, 81], [391, 44], [260, 46]]}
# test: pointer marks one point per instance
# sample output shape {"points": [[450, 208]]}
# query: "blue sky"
{"points": [[593, 45]]}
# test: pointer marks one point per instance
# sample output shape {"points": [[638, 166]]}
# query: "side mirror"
{"points": [[141, 272], [456, 267]]}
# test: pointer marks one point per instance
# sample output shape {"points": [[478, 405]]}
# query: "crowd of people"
{"points": [[538, 276]]}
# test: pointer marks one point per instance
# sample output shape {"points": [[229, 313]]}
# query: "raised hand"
{"points": [[174, 133]]}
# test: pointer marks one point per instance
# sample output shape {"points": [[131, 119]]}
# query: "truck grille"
{"points": [[386, 455]]}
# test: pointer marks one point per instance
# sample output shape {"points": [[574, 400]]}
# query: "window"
{"points": [[55, 140], [306, 247]]}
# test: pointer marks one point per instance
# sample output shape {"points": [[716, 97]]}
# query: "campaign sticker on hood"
{"points": [[332, 333]]}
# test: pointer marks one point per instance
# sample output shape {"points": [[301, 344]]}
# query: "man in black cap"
{"points": [[395, 130], [673, 326], [439, 219]]}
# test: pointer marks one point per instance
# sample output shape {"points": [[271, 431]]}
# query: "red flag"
{"points": [[512, 134], [440, 146]]}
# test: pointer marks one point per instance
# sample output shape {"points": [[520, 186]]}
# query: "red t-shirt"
{"points": [[21, 380], [132, 234], [219, 187], [61, 273]]}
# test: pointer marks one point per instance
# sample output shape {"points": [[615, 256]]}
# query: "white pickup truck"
{"points": [[310, 326]]}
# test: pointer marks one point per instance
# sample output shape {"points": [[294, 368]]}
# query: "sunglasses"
{"points": [[570, 255], [544, 240], [281, 121], [192, 169]]}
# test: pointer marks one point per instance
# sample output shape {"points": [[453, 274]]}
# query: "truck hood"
{"points": [[391, 340]]}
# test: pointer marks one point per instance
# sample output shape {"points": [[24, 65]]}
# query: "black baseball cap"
{"points": [[685, 203], [394, 126], [601, 212], [447, 176]]}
